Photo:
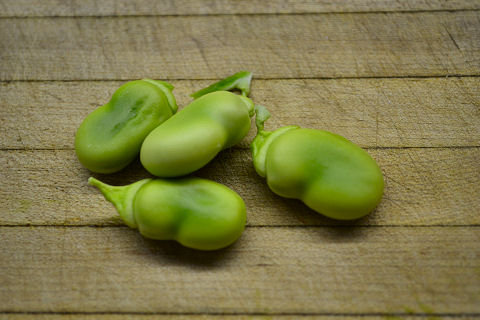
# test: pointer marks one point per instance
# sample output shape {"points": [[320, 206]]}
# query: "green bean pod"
{"points": [[330, 174], [198, 213], [110, 137], [195, 135]]}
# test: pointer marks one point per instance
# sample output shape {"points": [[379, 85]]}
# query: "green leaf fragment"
{"points": [[239, 81]]}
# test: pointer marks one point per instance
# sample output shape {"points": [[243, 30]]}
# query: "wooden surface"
{"points": [[280, 270], [399, 78], [424, 186], [75, 8], [271, 46]]}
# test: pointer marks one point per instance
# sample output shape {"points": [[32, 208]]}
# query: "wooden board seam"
{"points": [[247, 148], [343, 225], [371, 314], [237, 14], [476, 75]]}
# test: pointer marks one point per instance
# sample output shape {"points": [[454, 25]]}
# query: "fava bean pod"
{"points": [[111, 136], [330, 174], [198, 213], [190, 139]]}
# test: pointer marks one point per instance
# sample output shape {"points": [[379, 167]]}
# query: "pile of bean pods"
{"points": [[330, 174]]}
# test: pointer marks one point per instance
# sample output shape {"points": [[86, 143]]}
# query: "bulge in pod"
{"points": [[198, 213], [110, 137]]}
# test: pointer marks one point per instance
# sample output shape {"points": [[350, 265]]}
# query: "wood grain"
{"points": [[55, 8], [381, 73], [423, 187], [370, 112], [400, 316], [279, 270], [271, 46]]}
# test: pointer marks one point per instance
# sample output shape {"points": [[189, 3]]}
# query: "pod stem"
{"points": [[121, 197], [167, 89], [261, 115], [264, 139], [240, 81]]}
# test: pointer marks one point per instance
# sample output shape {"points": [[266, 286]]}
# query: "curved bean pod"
{"points": [[195, 135], [330, 174], [110, 137], [198, 213]]}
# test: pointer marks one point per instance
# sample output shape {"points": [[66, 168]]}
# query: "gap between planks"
{"points": [[247, 148], [257, 78], [22, 8], [408, 315], [343, 224], [235, 14]]}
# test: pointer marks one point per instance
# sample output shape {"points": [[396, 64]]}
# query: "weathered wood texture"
{"points": [[55, 8], [370, 112], [269, 270], [416, 257], [271, 46], [426, 314], [423, 187]]}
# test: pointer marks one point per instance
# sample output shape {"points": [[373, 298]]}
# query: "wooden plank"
{"points": [[99, 316], [35, 8], [370, 112], [271, 46], [423, 187], [269, 270]]}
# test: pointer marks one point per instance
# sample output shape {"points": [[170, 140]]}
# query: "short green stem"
{"points": [[122, 197], [264, 139]]}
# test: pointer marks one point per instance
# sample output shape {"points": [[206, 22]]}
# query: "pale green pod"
{"points": [[198, 213], [329, 173], [110, 137], [195, 135]]}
